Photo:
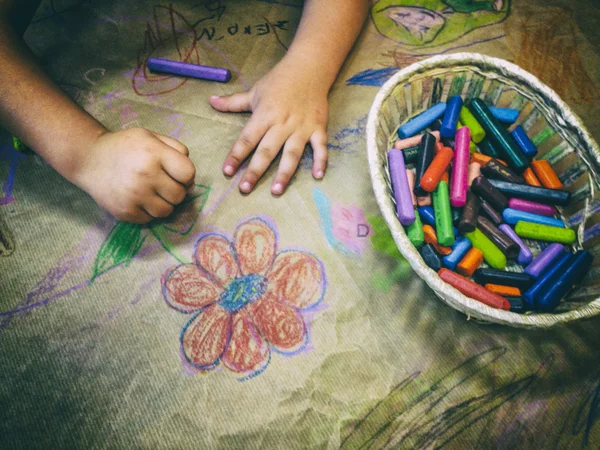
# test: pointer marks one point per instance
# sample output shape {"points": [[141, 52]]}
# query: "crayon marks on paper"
{"points": [[247, 299]]}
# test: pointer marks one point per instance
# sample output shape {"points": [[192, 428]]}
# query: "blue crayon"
{"points": [[505, 115], [459, 250], [512, 216], [579, 264], [545, 281], [427, 215], [524, 142], [422, 121], [448, 128]]}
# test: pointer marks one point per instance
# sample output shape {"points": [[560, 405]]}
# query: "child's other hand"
{"points": [[289, 109], [136, 175]]}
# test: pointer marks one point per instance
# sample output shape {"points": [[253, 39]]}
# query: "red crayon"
{"points": [[470, 289]]}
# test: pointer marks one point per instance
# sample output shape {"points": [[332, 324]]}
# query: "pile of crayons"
{"points": [[487, 194]]}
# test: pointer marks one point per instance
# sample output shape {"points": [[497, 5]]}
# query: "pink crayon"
{"points": [[410, 175], [413, 141], [474, 172], [404, 205], [460, 168], [532, 207]]}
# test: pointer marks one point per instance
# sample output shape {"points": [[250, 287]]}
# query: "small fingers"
{"points": [[157, 207], [250, 136], [170, 190], [173, 143], [318, 141], [290, 158], [265, 153], [239, 102], [137, 215], [179, 167]]}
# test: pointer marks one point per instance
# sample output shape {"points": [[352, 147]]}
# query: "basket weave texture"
{"points": [[559, 134]]}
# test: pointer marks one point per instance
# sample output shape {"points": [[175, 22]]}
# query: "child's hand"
{"points": [[289, 109], [136, 175]]}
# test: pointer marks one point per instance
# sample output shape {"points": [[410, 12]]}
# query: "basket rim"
{"points": [[447, 293]]}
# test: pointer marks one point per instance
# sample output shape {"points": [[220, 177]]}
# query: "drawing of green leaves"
{"points": [[120, 246], [125, 240]]}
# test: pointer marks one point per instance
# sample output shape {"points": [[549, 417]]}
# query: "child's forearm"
{"points": [[326, 33], [34, 108]]}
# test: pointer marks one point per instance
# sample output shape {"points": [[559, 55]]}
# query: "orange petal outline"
{"points": [[255, 245], [213, 253], [186, 288], [205, 337]]}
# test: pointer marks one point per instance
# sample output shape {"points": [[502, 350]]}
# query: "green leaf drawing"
{"points": [[161, 234], [120, 246]]}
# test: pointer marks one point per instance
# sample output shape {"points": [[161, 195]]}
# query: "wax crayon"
{"points": [[431, 238], [486, 190], [468, 120], [504, 291], [488, 211], [545, 259], [188, 70], [469, 264], [424, 200], [410, 154], [488, 149], [404, 206], [517, 305], [578, 266], [545, 232], [512, 216], [470, 214], [543, 283], [525, 255], [453, 106], [472, 290], [491, 253], [516, 279], [504, 115], [443, 214], [413, 141], [460, 168], [426, 154], [530, 177], [533, 193], [459, 250], [430, 257], [422, 121], [474, 172], [499, 137], [414, 232], [532, 207], [546, 174], [436, 169], [502, 241], [495, 170], [524, 142]]}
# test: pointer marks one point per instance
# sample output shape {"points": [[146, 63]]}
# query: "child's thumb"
{"points": [[239, 102]]}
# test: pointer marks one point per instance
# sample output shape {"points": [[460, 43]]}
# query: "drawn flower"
{"points": [[247, 298]]}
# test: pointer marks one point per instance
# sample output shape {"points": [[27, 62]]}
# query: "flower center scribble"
{"points": [[247, 299], [243, 291]]}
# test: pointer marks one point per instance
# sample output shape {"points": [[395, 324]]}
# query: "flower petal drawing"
{"points": [[188, 289], [247, 352], [255, 246], [213, 254], [205, 337]]}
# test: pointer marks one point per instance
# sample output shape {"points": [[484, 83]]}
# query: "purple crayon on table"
{"points": [[532, 207], [189, 70], [525, 255], [545, 259], [404, 205], [460, 168]]}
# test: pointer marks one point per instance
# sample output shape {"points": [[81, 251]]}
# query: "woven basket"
{"points": [[558, 133]]}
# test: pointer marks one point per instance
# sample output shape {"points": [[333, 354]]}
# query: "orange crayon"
{"points": [[530, 178], [436, 169], [431, 238], [471, 261], [504, 291], [546, 174]]}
